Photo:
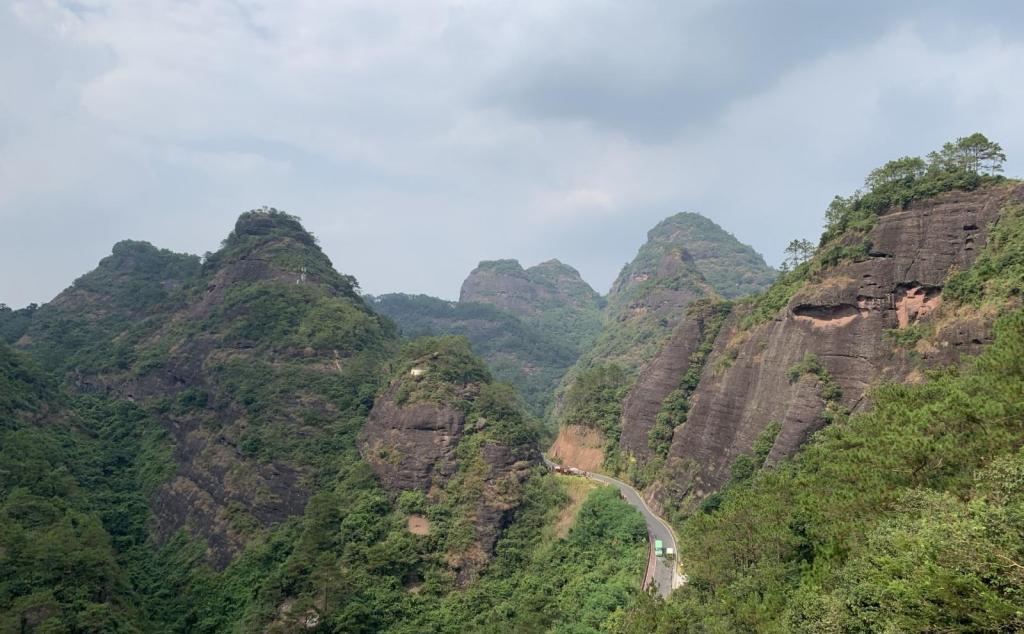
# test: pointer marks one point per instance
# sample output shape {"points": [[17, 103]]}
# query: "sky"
{"points": [[416, 137]]}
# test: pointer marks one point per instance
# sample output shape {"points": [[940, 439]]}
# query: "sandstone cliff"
{"points": [[841, 322], [645, 306], [443, 429]]}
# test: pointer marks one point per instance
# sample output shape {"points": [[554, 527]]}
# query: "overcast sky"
{"points": [[415, 138]]}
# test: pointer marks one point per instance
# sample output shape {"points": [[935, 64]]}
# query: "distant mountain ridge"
{"points": [[529, 324]]}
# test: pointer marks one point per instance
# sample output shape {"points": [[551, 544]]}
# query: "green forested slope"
{"points": [[269, 360], [531, 358], [908, 517]]}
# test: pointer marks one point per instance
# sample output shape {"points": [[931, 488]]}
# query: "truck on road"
{"points": [[659, 548]]}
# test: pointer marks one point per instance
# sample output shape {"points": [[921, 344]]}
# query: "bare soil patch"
{"points": [[418, 525], [580, 447]]}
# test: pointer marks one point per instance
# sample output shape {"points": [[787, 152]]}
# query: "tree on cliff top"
{"points": [[974, 153]]}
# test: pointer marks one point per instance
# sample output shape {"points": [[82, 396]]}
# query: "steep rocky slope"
{"points": [[250, 362], [875, 316], [644, 307], [542, 292], [442, 428]]}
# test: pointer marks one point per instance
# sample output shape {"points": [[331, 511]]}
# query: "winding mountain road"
{"points": [[660, 570]]}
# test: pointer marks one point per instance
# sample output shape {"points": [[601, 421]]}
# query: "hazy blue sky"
{"points": [[415, 138]]}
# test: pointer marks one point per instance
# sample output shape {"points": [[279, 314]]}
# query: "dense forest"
{"points": [[243, 442]]}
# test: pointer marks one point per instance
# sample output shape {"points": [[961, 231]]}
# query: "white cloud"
{"points": [[411, 131]]}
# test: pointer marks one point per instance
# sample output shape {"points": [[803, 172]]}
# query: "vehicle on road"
{"points": [[659, 548], [569, 470]]}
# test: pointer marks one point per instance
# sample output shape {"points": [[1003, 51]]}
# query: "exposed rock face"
{"points": [[841, 318], [658, 378], [411, 447], [427, 432], [646, 303], [505, 284]]}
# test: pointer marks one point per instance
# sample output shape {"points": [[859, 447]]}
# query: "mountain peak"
{"points": [[506, 284], [734, 269], [268, 221]]}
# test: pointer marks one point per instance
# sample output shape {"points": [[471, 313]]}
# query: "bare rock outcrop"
{"points": [[411, 447], [660, 377], [441, 428], [841, 318]]}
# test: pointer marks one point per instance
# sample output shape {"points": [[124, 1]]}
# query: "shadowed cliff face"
{"points": [[443, 429], [841, 318], [659, 378]]}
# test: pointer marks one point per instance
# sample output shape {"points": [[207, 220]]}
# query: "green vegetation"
{"points": [[527, 356], [676, 405], [574, 584], [998, 274], [447, 365], [72, 504], [732, 268], [907, 337], [108, 310], [14, 323], [595, 400], [965, 164], [284, 243], [906, 518]]}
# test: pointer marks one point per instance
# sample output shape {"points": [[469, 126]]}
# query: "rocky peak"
{"points": [[529, 292], [732, 268], [271, 245], [268, 221]]}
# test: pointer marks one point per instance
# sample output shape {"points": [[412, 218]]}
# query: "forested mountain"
{"points": [[230, 444], [687, 261], [529, 325], [242, 442], [836, 457]]}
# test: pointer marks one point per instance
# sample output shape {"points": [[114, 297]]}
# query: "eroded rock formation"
{"points": [[841, 317]]}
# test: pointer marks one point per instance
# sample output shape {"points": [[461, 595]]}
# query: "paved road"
{"points": [[665, 576]]}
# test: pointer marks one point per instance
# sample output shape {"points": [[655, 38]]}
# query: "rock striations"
{"points": [[840, 320], [444, 429]]}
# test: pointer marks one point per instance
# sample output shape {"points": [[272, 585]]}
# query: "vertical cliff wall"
{"points": [[842, 319]]}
